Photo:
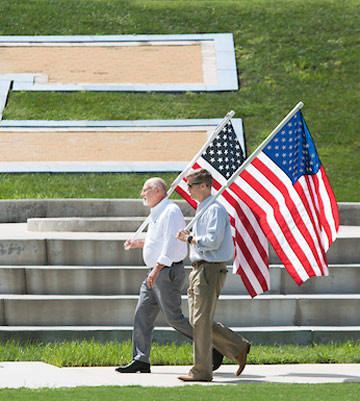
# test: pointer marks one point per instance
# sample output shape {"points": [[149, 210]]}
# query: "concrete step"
{"points": [[126, 280], [271, 335], [126, 223], [342, 279], [265, 310], [86, 224], [345, 249], [19, 210], [18, 246]]}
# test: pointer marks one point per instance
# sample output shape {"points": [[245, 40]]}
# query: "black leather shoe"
{"points": [[134, 367], [217, 359]]}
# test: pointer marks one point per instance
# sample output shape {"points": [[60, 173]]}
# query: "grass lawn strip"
{"points": [[95, 353], [249, 391]]}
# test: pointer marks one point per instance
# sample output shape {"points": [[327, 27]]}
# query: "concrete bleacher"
{"points": [[64, 274]]}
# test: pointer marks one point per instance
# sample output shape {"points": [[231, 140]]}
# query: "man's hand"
{"points": [[133, 244], [182, 235], [151, 278]]}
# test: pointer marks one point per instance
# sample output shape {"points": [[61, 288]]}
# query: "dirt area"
{"points": [[113, 64], [46, 145]]}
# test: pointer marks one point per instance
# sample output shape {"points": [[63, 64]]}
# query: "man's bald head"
{"points": [[157, 182], [154, 191]]}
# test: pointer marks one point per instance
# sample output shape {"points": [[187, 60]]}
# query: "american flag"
{"points": [[286, 187], [222, 157]]}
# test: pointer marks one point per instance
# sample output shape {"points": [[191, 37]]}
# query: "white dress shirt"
{"points": [[161, 245]]}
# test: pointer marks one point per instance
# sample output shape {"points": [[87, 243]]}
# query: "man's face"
{"points": [[150, 195], [195, 189]]}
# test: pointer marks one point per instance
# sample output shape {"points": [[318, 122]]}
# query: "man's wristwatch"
{"points": [[189, 239]]}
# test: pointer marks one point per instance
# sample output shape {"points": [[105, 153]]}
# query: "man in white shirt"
{"points": [[161, 290]]}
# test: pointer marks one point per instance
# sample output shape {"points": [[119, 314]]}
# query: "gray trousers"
{"points": [[164, 296]]}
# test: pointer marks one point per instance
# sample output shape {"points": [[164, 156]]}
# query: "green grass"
{"points": [[88, 185], [249, 391], [285, 51], [95, 353]]}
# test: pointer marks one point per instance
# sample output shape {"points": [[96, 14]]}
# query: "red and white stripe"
{"points": [[300, 220]]}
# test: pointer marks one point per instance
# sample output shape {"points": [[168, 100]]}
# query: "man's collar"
{"points": [[155, 211], [202, 204]]}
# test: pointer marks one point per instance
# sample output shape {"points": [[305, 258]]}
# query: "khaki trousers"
{"points": [[206, 283]]}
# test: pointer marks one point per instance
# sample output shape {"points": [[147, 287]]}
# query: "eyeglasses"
{"points": [[193, 183]]}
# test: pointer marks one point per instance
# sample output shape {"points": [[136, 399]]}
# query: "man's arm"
{"points": [[151, 278], [213, 222]]}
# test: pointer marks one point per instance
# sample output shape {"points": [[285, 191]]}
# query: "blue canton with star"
{"points": [[225, 153], [293, 149]]}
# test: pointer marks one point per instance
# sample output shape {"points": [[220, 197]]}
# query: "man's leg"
{"points": [[206, 282], [170, 284], [232, 345], [145, 314], [228, 342], [168, 295], [144, 317]]}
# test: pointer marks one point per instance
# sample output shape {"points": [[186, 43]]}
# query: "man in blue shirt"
{"points": [[211, 246]]}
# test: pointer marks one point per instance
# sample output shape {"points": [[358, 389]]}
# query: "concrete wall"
{"points": [[19, 210], [126, 280], [238, 311]]}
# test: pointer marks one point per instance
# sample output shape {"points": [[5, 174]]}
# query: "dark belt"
{"points": [[201, 262], [174, 264]]}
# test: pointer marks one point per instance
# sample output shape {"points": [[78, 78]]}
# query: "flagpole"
{"points": [[175, 183], [247, 162]]}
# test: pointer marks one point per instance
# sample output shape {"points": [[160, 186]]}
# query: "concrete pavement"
{"points": [[41, 375]]}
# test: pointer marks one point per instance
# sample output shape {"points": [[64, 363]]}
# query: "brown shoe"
{"points": [[189, 378], [241, 358]]}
